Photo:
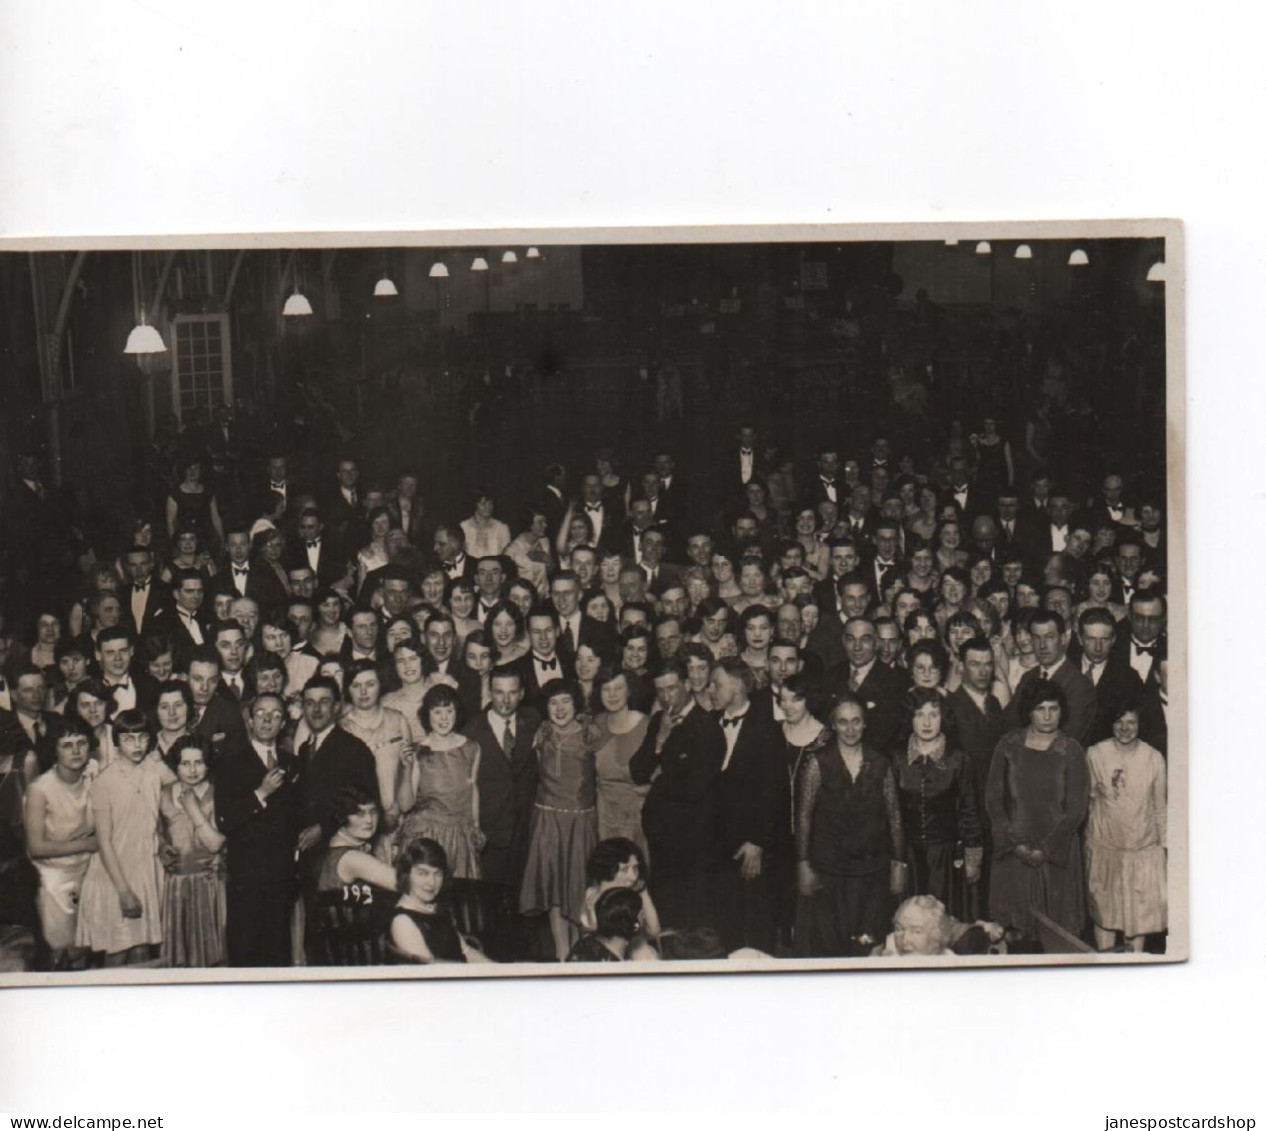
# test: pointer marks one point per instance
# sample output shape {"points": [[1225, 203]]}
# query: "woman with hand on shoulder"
{"points": [[422, 929], [61, 838], [530, 550], [173, 712], [379, 727], [508, 629], [618, 864]]}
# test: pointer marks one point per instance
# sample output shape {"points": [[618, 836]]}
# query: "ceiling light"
{"points": [[297, 305], [983, 248], [1078, 258], [144, 339], [1024, 252], [534, 253], [1156, 272], [385, 288], [479, 264], [509, 257], [439, 270]]}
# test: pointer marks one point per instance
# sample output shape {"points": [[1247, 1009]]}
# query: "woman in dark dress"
{"points": [[849, 842], [423, 929], [1037, 797], [938, 808], [191, 505], [619, 916]]}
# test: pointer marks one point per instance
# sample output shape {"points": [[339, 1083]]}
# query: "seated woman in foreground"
{"points": [[923, 927], [422, 929]]}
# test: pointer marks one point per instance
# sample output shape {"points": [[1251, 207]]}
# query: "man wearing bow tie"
{"points": [[343, 507], [753, 796], [746, 463], [450, 548], [592, 506], [887, 551], [129, 688], [257, 797], [1139, 649], [317, 550], [879, 456], [1129, 563], [1110, 507], [962, 490], [147, 602], [189, 628], [240, 578], [673, 493], [281, 493], [544, 663], [826, 485]]}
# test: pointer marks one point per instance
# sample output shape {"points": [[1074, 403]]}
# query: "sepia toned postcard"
{"points": [[601, 601]]}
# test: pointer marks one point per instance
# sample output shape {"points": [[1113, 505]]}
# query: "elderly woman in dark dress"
{"points": [[850, 845], [1037, 796]]}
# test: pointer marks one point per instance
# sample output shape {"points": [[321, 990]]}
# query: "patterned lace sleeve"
{"points": [[808, 787], [893, 804]]}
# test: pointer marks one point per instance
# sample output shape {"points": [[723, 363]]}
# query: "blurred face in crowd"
{"points": [[1147, 619], [888, 642], [246, 612], [231, 644], [699, 550], [1097, 641], [844, 560], [439, 638], [300, 616], [855, 598], [848, 724], [190, 594]]}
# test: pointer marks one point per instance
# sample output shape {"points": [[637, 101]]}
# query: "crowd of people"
{"points": [[900, 703]]}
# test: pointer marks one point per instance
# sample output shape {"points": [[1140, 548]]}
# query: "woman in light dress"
{"points": [[486, 536], [619, 798]]}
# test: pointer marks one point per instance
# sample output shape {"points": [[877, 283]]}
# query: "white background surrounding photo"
{"points": [[147, 118]]}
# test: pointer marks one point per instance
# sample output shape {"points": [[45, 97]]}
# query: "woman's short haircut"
{"points": [[618, 913], [556, 687], [846, 699], [420, 851], [347, 801], [355, 668], [934, 910], [932, 648], [750, 614], [441, 695], [188, 742], [608, 856], [918, 697], [93, 687], [72, 646], [633, 632], [175, 687], [1040, 691], [132, 721]]}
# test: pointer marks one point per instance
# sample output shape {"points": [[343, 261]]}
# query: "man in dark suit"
{"points": [[887, 555], [681, 757], [229, 640], [257, 797], [217, 716], [27, 695], [318, 551], [859, 515], [1050, 642], [1107, 669], [752, 797], [130, 688], [407, 511], [676, 504], [146, 603], [1011, 526], [450, 548], [574, 627], [827, 484], [364, 639], [188, 628], [329, 760], [507, 777], [963, 491], [660, 575], [544, 663], [278, 494], [843, 557], [641, 522], [879, 687], [1141, 647], [240, 578], [979, 722], [342, 507], [1108, 508], [854, 598], [1051, 536], [553, 499], [739, 466], [607, 525]]}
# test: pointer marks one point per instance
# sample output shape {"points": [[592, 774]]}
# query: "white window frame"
{"points": [[226, 340]]}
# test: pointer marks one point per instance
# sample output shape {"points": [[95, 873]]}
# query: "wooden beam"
{"points": [[72, 280], [232, 283], [162, 282]]}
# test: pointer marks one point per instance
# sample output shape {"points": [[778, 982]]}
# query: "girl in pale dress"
{"points": [[373, 555], [438, 795], [530, 551], [60, 839], [380, 728], [192, 853], [1126, 835], [619, 798], [120, 910], [461, 603], [329, 632]]}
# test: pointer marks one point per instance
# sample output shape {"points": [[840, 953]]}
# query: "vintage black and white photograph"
{"points": [[589, 602]]}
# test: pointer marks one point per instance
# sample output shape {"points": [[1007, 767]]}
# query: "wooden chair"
{"points": [[1054, 939]]}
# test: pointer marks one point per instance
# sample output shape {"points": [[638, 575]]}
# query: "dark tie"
{"points": [[315, 545], [305, 751], [141, 586], [734, 722], [1046, 673], [593, 508], [242, 570], [568, 640], [507, 739], [1145, 649], [270, 758]]}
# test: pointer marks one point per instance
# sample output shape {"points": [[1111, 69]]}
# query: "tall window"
{"points": [[203, 369]]}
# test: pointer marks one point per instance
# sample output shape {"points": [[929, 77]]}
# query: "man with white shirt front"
{"points": [[591, 505], [1139, 650], [189, 589], [130, 689], [543, 664], [752, 798], [1059, 510]]}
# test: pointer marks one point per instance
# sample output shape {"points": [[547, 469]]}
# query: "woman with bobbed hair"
{"points": [[717, 628], [173, 717], [530, 550], [508, 630], [486, 536], [619, 797], [938, 805], [921, 575], [617, 863], [1102, 591], [438, 792], [618, 919], [268, 547], [698, 660], [380, 727], [564, 824], [191, 505], [948, 543], [1037, 795], [423, 929], [928, 664]]}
